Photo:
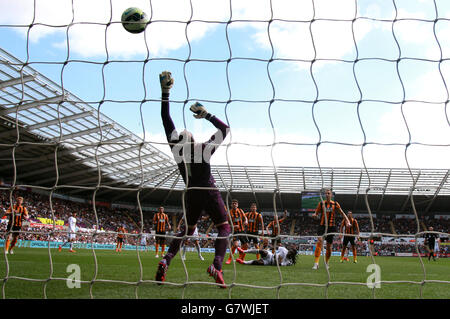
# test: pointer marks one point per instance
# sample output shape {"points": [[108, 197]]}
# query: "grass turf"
{"points": [[193, 282]]}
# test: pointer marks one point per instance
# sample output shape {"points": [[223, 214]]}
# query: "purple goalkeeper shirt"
{"points": [[198, 169]]}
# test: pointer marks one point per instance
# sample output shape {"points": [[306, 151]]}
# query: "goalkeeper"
{"points": [[202, 194]]}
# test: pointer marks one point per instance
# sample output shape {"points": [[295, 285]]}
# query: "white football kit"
{"points": [[144, 240], [72, 227], [270, 258]]}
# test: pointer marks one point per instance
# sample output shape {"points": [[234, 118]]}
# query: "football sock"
{"points": [[221, 245], [175, 245], [354, 253], [317, 252], [8, 242], [13, 244], [327, 255]]}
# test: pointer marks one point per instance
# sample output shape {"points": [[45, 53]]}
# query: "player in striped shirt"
{"points": [[161, 225], [326, 210], [353, 229], [240, 222], [16, 214], [255, 225], [120, 238], [274, 226]]}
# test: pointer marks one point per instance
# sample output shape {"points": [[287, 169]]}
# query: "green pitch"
{"points": [[124, 269]]}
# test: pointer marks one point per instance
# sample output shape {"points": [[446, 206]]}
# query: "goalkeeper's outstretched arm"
{"points": [[222, 129], [166, 80]]}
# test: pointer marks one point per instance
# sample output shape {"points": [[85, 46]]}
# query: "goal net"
{"points": [[350, 96]]}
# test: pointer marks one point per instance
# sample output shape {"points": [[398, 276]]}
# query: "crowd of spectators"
{"points": [[107, 219]]}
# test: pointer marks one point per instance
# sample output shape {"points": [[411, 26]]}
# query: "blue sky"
{"points": [[245, 40]]}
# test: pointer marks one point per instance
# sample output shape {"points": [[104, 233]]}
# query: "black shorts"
{"points": [[321, 231], [431, 244], [120, 240], [348, 239], [14, 228], [160, 238], [242, 237], [253, 239]]}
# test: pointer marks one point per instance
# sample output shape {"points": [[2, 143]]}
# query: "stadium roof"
{"points": [[42, 124]]}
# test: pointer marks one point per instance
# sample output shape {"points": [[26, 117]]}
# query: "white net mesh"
{"points": [[349, 95]]}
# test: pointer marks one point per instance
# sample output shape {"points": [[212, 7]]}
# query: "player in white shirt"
{"points": [[437, 249], [144, 242], [72, 228], [286, 257], [195, 239]]}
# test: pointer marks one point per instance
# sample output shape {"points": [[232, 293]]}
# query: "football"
{"points": [[134, 20]]}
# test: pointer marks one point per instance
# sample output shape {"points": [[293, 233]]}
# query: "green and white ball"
{"points": [[134, 20]]}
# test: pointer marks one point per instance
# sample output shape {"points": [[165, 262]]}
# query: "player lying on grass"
{"points": [[285, 257], [193, 160]]}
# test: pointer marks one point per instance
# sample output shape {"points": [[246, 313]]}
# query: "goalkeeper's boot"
{"points": [[217, 274], [161, 272]]}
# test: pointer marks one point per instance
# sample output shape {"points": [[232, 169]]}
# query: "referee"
{"points": [[430, 241]]}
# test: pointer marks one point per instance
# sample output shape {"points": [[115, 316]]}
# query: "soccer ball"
{"points": [[134, 20]]}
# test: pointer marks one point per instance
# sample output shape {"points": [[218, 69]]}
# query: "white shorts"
{"points": [[195, 235], [268, 260], [72, 236], [143, 243]]}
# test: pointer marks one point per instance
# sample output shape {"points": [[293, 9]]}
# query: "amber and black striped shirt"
{"points": [[121, 232], [274, 225], [19, 215], [330, 209], [160, 222], [353, 229], [238, 217], [254, 222]]}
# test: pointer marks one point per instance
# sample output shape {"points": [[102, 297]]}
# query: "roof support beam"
{"points": [[38, 103], [64, 119], [410, 193], [357, 190], [64, 152], [384, 191], [15, 81], [82, 133], [443, 181]]}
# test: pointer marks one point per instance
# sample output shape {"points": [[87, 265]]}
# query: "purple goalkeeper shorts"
{"points": [[210, 202]]}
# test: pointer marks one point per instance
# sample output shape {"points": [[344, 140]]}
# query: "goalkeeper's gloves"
{"points": [[166, 80], [200, 111]]}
